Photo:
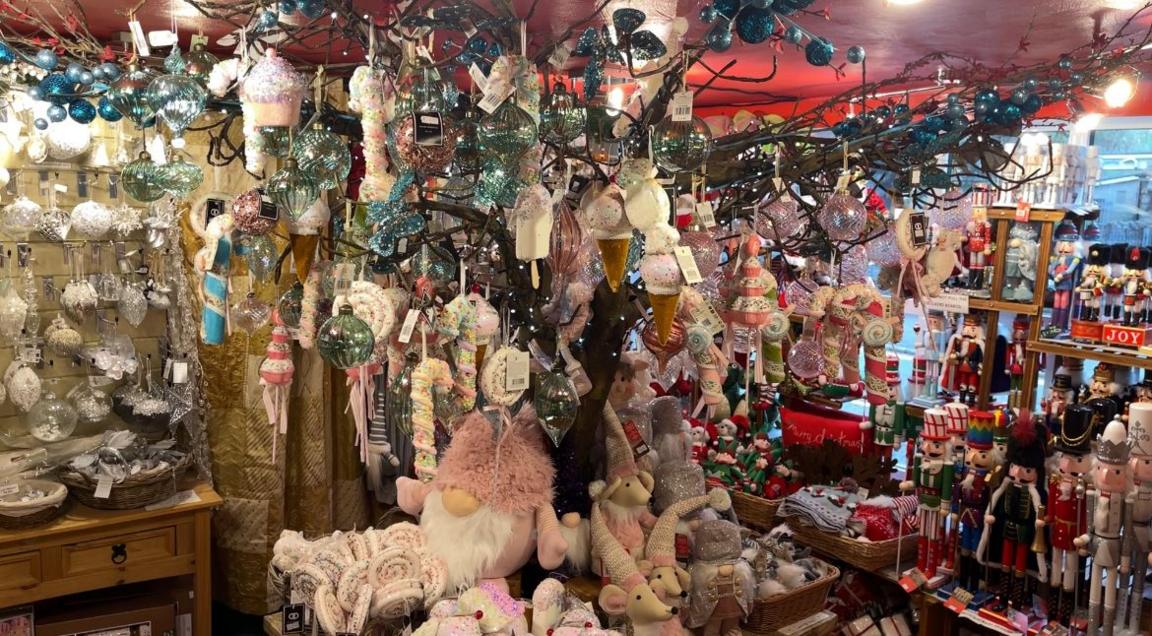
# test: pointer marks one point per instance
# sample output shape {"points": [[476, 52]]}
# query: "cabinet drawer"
{"points": [[19, 571], [117, 552]]}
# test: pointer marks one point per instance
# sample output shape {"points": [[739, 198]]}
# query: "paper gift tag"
{"points": [[688, 265], [429, 129], [706, 214], [518, 366], [681, 106], [292, 619], [409, 325], [103, 487], [9, 489]]}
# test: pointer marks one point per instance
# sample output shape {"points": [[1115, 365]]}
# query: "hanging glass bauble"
{"points": [[51, 419], [434, 263], [681, 146], [755, 24], [13, 311], [853, 266], [953, 210], [324, 155], [260, 255], [556, 402], [344, 340], [178, 101], [132, 305], [199, 63], [705, 250], [91, 219], [400, 397], [81, 111], [246, 214], [54, 224], [62, 339], [180, 178], [275, 141], [129, 95], [107, 111], [883, 250], [673, 344], [292, 189], [805, 359], [20, 217], [425, 157], [291, 305], [56, 88], [507, 133], [562, 120], [251, 314], [780, 219], [468, 156], [91, 404], [566, 240], [843, 217], [142, 180]]}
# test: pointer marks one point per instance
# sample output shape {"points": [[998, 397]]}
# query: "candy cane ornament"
{"points": [[458, 321], [429, 375]]}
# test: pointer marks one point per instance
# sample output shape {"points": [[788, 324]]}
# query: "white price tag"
{"points": [[179, 373], [201, 40], [688, 265], [9, 489], [705, 315], [103, 487], [478, 78], [706, 214], [948, 302], [138, 39], [916, 176], [560, 55], [517, 377], [682, 106], [61, 188], [408, 326], [496, 96]]}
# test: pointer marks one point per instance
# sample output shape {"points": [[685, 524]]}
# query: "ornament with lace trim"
{"points": [[62, 339]]}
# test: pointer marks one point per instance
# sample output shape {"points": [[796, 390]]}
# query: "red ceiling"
{"points": [[985, 30]]}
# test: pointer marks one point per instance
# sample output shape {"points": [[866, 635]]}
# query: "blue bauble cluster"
{"points": [[311, 9], [57, 88], [46, 59], [1010, 111], [267, 19], [755, 21], [82, 111], [476, 47], [819, 52]]}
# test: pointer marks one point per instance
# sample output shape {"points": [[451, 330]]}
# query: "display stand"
{"points": [[90, 549]]}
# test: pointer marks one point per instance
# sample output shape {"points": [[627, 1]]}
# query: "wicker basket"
{"points": [[136, 491], [18, 515], [866, 555], [784, 609], [757, 512]]}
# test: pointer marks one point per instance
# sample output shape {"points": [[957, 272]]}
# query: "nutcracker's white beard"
{"points": [[469, 546], [1066, 488], [579, 540]]}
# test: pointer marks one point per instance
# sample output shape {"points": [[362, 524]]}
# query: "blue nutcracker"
{"points": [[1063, 269]]}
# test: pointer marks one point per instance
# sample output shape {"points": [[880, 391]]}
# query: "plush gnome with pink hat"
{"points": [[492, 493], [660, 555], [624, 494]]}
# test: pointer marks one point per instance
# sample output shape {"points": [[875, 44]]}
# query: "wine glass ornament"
{"points": [[292, 189], [324, 155], [129, 96], [251, 314], [247, 214], [142, 179], [51, 419], [843, 217], [20, 217], [91, 219], [178, 100], [681, 146], [344, 340], [556, 403], [62, 339]]}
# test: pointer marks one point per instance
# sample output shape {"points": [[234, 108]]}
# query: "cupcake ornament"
{"points": [[270, 96]]}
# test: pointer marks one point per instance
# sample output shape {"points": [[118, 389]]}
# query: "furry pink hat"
{"points": [[525, 475]]}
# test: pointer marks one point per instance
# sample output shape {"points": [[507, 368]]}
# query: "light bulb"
{"points": [[1119, 92], [1087, 122], [615, 101], [903, 2]]}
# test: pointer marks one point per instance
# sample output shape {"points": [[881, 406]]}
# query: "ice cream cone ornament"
{"points": [[276, 371], [661, 274], [645, 201], [602, 209]]}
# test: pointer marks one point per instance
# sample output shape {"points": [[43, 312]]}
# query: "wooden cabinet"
{"points": [[90, 549]]}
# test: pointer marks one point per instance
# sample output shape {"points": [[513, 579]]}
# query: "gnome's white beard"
{"points": [[579, 540], [469, 546]]}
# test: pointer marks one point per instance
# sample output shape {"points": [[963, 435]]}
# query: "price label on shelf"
{"points": [[9, 489], [948, 302], [682, 106], [517, 377], [1023, 211]]}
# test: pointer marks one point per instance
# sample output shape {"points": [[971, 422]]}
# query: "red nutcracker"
{"points": [[966, 358], [1067, 509], [1014, 360], [932, 480], [978, 245]]}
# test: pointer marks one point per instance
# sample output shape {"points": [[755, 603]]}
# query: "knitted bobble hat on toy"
{"points": [[661, 549]]}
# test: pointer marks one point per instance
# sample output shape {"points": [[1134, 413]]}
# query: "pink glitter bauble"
{"points": [[953, 212], [842, 217], [799, 295], [425, 158], [246, 214], [883, 250], [591, 271], [853, 266], [780, 219], [705, 250], [805, 360]]}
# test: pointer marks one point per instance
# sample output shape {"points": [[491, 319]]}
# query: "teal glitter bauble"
{"points": [[819, 52], [507, 133], [562, 120], [324, 155], [344, 340], [754, 24]]}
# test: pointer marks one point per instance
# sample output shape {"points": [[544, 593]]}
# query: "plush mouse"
{"points": [[624, 495], [629, 594], [493, 493]]}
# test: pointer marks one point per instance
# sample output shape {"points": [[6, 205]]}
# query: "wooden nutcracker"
{"points": [[1140, 508], [973, 494], [1015, 512], [1067, 510], [957, 433], [1134, 292], [1093, 282], [1063, 269], [1109, 513], [1060, 395], [1117, 254], [932, 473], [978, 246], [1014, 360], [888, 419], [966, 358]]}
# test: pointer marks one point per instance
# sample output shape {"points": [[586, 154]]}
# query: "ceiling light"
{"points": [[1123, 5], [1121, 90], [615, 100], [904, 2], [1087, 122]]}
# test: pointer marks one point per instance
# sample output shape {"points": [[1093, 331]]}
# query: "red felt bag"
{"points": [[810, 424]]}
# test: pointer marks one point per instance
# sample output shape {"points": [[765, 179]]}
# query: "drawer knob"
{"points": [[119, 553]]}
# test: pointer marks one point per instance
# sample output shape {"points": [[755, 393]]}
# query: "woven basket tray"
{"points": [[784, 609], [757, 512], [18, 515], [866, 555], [136, 491]]}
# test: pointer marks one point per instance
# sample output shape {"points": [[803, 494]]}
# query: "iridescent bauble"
{"points": [[82, 111], [199, 63], [507, 133], [51, 419], [953, 210], [843, 217], [681, 146], [719, 37], [57, 113], [853, 266], [324, 155], [291, 305], [855, 54], [129, 95], [819, 52], [425, 158], [180, 178], [805, 359], [246, 215], [111, 71], [556, 402], [73, 71], [562, 120], [57, 88], [705, 250], [467, 144], [46, 59], [755, 24], [292, 189], [108, 112], [40, 123], [780, 219], [142, 179], [260, 255], [251, 314], [178, 100], [345, 341]]}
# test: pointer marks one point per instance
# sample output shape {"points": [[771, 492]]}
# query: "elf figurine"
{"points": [[973, 495], [932, 473], [978, 244], [1063, 268], [1067, 511], [1108, 516], [729, 433], [1014, 360], [1015, 512], [701, 441]]}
